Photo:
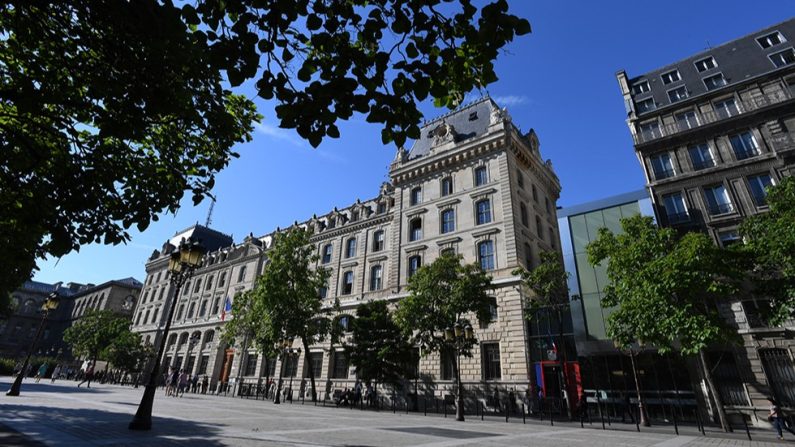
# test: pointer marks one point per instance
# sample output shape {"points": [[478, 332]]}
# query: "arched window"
{"points": [[483, 208], [376, 273], [378, 240], [183, 338], [447, 186], [197, 286], [486, 255], [138, 318], [347, 283], [146, 317], [191, 310], [172, 339], [209, 284], [154, 315], [209, 336], [523, 214], [448, 221], [241, 274], [180, 311], [414, 264], [528, 256], [222, 279], [415, 229], [344, 322], [350, 248], [327, 250]]}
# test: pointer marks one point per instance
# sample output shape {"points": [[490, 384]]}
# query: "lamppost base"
{"points": [[14, 390], [143, 417]]}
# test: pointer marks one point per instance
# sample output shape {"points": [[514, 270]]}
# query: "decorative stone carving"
{"points": [[443, 133]]}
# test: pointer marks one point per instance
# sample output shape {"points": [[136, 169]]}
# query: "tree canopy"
{"points": [[441, 294], [111, 110], [770, 238], [128, 352], [549, 281], [380, 351], [666, 288], [285, 301], [97, 331]]}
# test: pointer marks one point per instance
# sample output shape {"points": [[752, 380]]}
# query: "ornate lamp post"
{"points": [[192, 342], [458, 335], [180, 267], [643, 418], [51, 304], [286, 352]]}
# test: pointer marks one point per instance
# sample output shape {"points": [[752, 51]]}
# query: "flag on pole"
{"points": [[227, 308]]}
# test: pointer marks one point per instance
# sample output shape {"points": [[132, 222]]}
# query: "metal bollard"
{"points": [[676, 424], [393, 405], [601, 414], [482, 411], [444, 407], [425, 406], [700, 423], [524, 420]]}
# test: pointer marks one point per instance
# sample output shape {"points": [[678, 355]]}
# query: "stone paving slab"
{"points": [[62, 415]]}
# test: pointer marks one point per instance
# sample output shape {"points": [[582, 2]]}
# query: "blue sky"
{"points": [[559, 80]]}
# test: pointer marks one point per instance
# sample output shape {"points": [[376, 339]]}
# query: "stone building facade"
{"points": [[712, 131], [473, 183], [18, 331]]}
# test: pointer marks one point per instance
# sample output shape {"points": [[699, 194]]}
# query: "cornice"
{"points": [[351, 227]]}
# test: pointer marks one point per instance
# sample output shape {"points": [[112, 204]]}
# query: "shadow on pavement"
{"points": [[57, 387], [56, 426]]}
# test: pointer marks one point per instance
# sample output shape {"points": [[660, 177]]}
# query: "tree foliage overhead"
{"points": [[285, 301], [97, 331], [128, 352], [770, 238], [667, 288], [110, 110], [441, 294], [380, 350], [549, 281]]}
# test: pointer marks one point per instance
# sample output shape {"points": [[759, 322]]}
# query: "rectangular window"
{"points": [[493, 313], [675, 208], [414, 264], [662, 166], [415, 229], [645, 105], [783, 58], [701, 156], [315, 360], [347, 283], [291, 367], [340, 370], [490, 353], [759, 184], [727, 238], [670, 77], [686, 120], [203, 363], [481, 177], [705, 64], [640, 87], [416, 196], [327, 254], [714, 81], [375, 277], [770, 40], [222, 280], [197, 286], [251, 365], [350, 248], [448, 221], [650, 130], [447, 357], [486, 255], [726, 108], [483, 212], [677, 94], [378, 240], [519, 179], [718, 201], [447, 186], [744, 145], [203, 309]]}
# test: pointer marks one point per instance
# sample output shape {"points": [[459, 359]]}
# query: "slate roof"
{"points": [[738, 60], [469, 121], [211, 239]]}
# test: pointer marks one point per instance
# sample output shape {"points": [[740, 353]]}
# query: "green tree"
{"points": [[441, 294], [380, 350], [95, 332], [770, 239], [128, 352], [111, 110], [549, 282], [667, 290], [285, 301]]}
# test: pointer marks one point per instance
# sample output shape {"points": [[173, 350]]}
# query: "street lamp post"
{"points": [[192, 342], [51, 304], [458, 334], [180, 267], [286, 351]]}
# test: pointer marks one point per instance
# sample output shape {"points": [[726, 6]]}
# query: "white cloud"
{"points": [[510, 100], [278, 133]]}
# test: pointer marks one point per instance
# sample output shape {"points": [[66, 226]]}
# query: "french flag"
{"points": [[227, 308]]}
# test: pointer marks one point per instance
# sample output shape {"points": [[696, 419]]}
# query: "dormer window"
{"points": [[770, 40], [473, 116], [705, 64], [641, 87]]}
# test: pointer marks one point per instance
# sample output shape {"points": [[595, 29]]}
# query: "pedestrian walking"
{"points": [[56, 373], [194, 384], [776, 417], [183, 382], [205, 384], [357, 392], [42, 371], [88, 376]]}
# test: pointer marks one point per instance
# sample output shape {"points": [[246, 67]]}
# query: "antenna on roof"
{"points": [[709, 47], [210, 214]]}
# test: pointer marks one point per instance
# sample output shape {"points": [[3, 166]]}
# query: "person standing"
{"points": [[183, 382], [88, 376], [777, 418]]}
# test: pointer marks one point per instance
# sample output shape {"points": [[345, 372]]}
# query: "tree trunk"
{"points": [[565, 405], [724, 422], [307, 360]]}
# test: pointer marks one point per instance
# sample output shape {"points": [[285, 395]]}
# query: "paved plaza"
{"points": [[64, 415]]}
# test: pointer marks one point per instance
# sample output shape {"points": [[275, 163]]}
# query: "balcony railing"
{"points": [[709, 117]]}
